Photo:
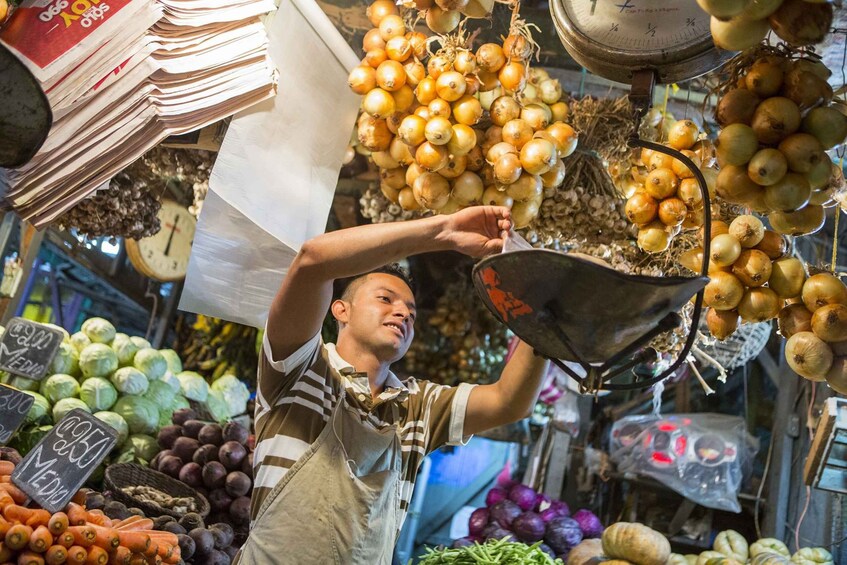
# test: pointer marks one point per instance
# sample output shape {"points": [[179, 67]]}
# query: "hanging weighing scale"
{"points": [[569, 308]]}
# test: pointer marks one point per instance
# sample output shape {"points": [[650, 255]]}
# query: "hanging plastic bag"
{"points": [[515, 242]]}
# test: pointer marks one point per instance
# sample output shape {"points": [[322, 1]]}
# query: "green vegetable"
{"points": [[23, 383], [180, 402], [217, 407], [57, 387], [117, 422], [141, 415], [145, 446], [98, 393], [66, 361], [129, 380], [173, 360], [66, 337], [80, 341], [125, 350], [235, 393], [491, 553], [97, 360], [65, 405], [140, 342], [193, 386], [39, 412], [99, 330], [27, 438], [171, 380], [151, 363]]}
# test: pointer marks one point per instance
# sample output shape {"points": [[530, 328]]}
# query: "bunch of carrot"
{"points": [[33, 536]]}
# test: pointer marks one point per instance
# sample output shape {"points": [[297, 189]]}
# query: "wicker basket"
{"points": [[131, 474], [741, 347]]}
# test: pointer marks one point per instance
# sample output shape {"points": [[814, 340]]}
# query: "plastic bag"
{"points": [[704, 457], [515, 242]]}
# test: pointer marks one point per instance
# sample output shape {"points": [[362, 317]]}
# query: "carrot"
{"points": [[135, 525], [30, 558], [6, 553], [5, 500], [137, 542], [161, 537], [96, 556], [65, 539], [4, 527], [5, 478], [120, 556], [40, 540], [77, 555], [6, 467], [56, 555], [58, 523], [97, 517], [83, 535], [126, 523], [81, 496], [28, 516], [17, 537], [18, 496], [107, 538], [77, 516]]}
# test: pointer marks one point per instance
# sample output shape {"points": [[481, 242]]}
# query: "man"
{"points": [[339, 436]]}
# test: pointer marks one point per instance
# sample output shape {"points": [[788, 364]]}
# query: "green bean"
{"points": [[493, 552]]}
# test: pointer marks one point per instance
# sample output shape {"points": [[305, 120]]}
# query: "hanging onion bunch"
{"points": [[443, 16], [777, 122], [737, 25], [379, 209]]}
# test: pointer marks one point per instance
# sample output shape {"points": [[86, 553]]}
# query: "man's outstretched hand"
{"points": [[479, 230]]}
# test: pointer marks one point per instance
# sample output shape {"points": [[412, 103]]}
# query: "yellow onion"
{"points": [[423, 112], [467, 188], [839, 348], [507, 168], [802, 151], [393, 178], [490, 57], [478, 8], [805, 221], [413, 171], [828, 125], [683, 134], [450, 85], [806, 89], [373, 40], [830, 322], [452, 4], [822, 289], [379, 103], [672, 211], [407, 201], [711, 176], [738, 34], [792, 192], [689, 192], [836, 377], [516, 46], [438, 131], [661, 183], [718, 227], [488, 81], [767, 167], [529, 94], [775, 119], [538, 156], [517, 132], [773, 244], [527, 187], [467, 110], [362, 79], [801, 23], [439, 108], [432, 191], [404, 98], [566, 138], [493, 197], [735, 186], [523, 213], [465, 62], [753, 268], [373, 133], [401, 152], [660, 160], [653, 237], [512, 76], [555, 176], [394, 120], [476, 159], [680, 169], [820, 176], [425, 91], [560, 111], [390, 26], [384, 160], [462, 140], [759, 305], [724, 250], [431, 157], [764, 78], [487, 98], [537, 115], [748, 230], [809, 356], [412, 130], [391, 193], [693, 220], [504, 109], [721, 323], [550, 91], [398, 48], [692, 259], [438, 65], [736, 144], [451, 207], [723, 8], [498, 150], [442, 21], [417, 41], [456, 165], [724, 291], [787, 278], [379, 9], [736, 107], [794, 318]]}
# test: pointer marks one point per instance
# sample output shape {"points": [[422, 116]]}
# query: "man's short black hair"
{"points": [[346, 287]]}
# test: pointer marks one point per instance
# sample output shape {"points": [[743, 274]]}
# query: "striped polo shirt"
{"points": [[297, 395]]}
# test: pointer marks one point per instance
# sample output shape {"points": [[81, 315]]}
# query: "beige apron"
{"points": [[338, 504]]}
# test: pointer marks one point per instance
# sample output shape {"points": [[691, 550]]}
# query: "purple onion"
{"points": [[496, 495], [478, 520]]}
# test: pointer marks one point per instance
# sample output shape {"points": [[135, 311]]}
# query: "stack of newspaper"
{"points": [[122, 75]]}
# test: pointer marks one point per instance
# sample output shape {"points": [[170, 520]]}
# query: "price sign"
{"points": [[14, 406], [61, 462], [27, 348]]}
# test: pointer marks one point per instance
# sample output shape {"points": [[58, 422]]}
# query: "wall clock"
{"points": [[164, 256]]}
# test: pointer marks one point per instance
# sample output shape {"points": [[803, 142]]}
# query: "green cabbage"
{"points": [[57, 387], [140, 414], [173, 360], [217, 407], [117, 422], [119, 337], [151, 363], [140, 342], [160, 394], [65, 405], [193, 386], [23, 383], [129, 380], [97, 360], [125, 350], [27, 438], [66, 360], [171, 380], [99, 330], [98, 393], [80, 341], [180, 402], [145, 447], [39, 411], [235, 393]]}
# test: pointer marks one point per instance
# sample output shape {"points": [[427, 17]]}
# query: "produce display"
{"points": [[215, 460], [493, 552], [216, 348]]}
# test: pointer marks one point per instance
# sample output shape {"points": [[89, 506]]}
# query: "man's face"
{"points": [[380, 315]]}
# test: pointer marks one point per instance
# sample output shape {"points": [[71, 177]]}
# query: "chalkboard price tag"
{"points": [[14, 406], [61, 462], [27, 348]]}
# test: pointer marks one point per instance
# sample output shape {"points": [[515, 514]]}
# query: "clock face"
{"points": [[164, 256]]}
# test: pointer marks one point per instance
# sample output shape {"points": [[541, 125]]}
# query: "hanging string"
{"points": [[835, 227]]}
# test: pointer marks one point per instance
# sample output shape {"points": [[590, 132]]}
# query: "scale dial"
{"points": [[613, 38], [164, 256]]}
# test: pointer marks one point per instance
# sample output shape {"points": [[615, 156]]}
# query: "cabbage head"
{"points": [[98, 394], [56, 387], [23, 383], [99, 330], [216, 406], [140, 414], [120, 336], [173, 360], [140, 342], [117, 422], [61, 408], [129, 380], [80, 341], [97, 360], [180, 402], [145, 447], [66, 360], [125, 350], [171, 380], [160, 394], [194, 387], [151, 363], [39, 411], [235, 393], [66, 337]]}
